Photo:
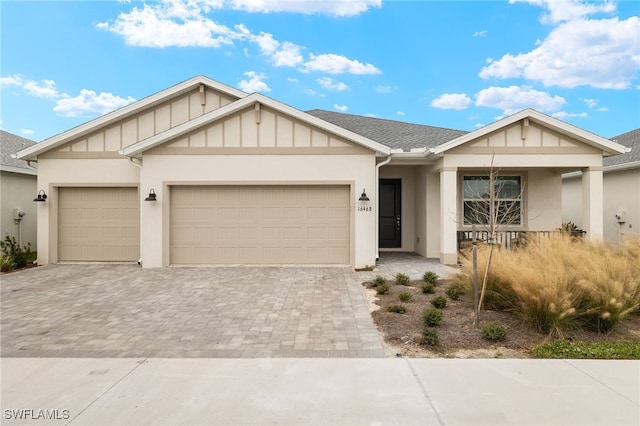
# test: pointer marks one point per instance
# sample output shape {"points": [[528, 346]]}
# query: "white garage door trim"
{"points": [[98, 224], [260, 224]]}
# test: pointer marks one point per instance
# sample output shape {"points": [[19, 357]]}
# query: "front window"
{"points": [[503, 204]]}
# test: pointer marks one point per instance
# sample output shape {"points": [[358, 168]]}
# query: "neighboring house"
{"points": [[202, 173], [17, 189], [621, 191]]}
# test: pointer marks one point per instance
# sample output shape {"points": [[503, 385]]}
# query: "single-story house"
{"points": [[621, 183], [18, 214], [202, 173]]}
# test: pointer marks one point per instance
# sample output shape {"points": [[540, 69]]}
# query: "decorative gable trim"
{"points": [[127, 111], [525, 118], [254, 100]]}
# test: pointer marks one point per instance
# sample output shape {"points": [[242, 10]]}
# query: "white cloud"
{"points": [[400, 113], [86, 104], [312, 92], [342, 108], [185, 23], [26, 132], [288, 55], [457, 101], [370, 114], [266, 43], [329, 7], [562, 115], [329, 84], [12, 80], [590, 102], [89, 103], [514, 98], [171, 23], [43, 89], [602, 53], [255, 83], [568, 10], [386, 89], [482, 33], [332, 63]]}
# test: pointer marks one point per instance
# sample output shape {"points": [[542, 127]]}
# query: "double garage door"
{"points": [[260, 224], [212, 224]]}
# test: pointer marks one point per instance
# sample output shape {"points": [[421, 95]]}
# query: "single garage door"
{"points": [[98, 224], [260, 224]]}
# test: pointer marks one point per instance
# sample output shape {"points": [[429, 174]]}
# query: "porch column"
{"points": [[448, 215], [592, 202]]}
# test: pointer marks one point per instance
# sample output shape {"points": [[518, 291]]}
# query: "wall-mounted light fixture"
{"points": [[363, 197], [152, 196], [42, 196]]}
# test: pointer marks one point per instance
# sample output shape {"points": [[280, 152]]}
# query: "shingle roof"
{"points": [[394, 134], [630, 139], [10, 144]]}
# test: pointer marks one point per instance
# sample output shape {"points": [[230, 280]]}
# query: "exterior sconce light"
{"points": [[152, 196], [42, 196], [364, 197]]}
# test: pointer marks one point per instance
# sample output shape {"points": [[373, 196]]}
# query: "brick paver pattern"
{"points": [[102, 310]]}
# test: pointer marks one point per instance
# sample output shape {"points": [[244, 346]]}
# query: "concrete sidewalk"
{"points": [[306, 391]]}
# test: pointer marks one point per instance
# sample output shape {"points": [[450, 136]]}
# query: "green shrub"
{"points": [[453, 292], [494, 332], [402, 279], [379, 279], [382, 288], [430, 335], [565, 349], [432, 317], [428, 288], [6, 263], [405, 296], [20, 255], [439, 302], [430, 277], [398, 309]]}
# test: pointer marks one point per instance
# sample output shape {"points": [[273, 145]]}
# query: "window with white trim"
{"points": [[507, 200]]}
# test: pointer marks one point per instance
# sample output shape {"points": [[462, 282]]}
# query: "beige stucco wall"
{"points": [[53, 174], [18, 191], [621, 193], [163, 171]]}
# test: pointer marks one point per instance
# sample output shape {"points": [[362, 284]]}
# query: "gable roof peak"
{"points": [[128, 110]]}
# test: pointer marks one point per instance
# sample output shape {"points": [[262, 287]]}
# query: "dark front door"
{"points": [[390, 202]]}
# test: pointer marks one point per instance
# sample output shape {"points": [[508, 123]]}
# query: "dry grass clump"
{"points": [[562, 282]]}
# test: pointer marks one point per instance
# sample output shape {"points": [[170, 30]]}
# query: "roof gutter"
{"points": [[377, 201]]}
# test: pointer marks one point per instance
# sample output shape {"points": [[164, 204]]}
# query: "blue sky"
{"points": [[455, 64]]}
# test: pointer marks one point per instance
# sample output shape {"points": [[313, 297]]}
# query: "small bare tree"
{"points": [[492, 203]]}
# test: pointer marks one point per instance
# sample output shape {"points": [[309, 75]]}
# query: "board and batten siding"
{"points": [[143, 125], [264, 128]]}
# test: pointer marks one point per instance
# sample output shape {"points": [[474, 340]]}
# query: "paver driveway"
{"points": [[92, 310]]}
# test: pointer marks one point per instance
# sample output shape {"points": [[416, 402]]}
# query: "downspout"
{"points": [[138, 165], [377, 201]]}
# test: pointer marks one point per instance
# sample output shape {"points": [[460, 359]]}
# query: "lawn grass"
{"points": [[566, 349]]}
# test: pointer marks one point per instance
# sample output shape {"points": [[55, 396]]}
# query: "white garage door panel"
{"points": [[98, 224], [260, 224]]}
